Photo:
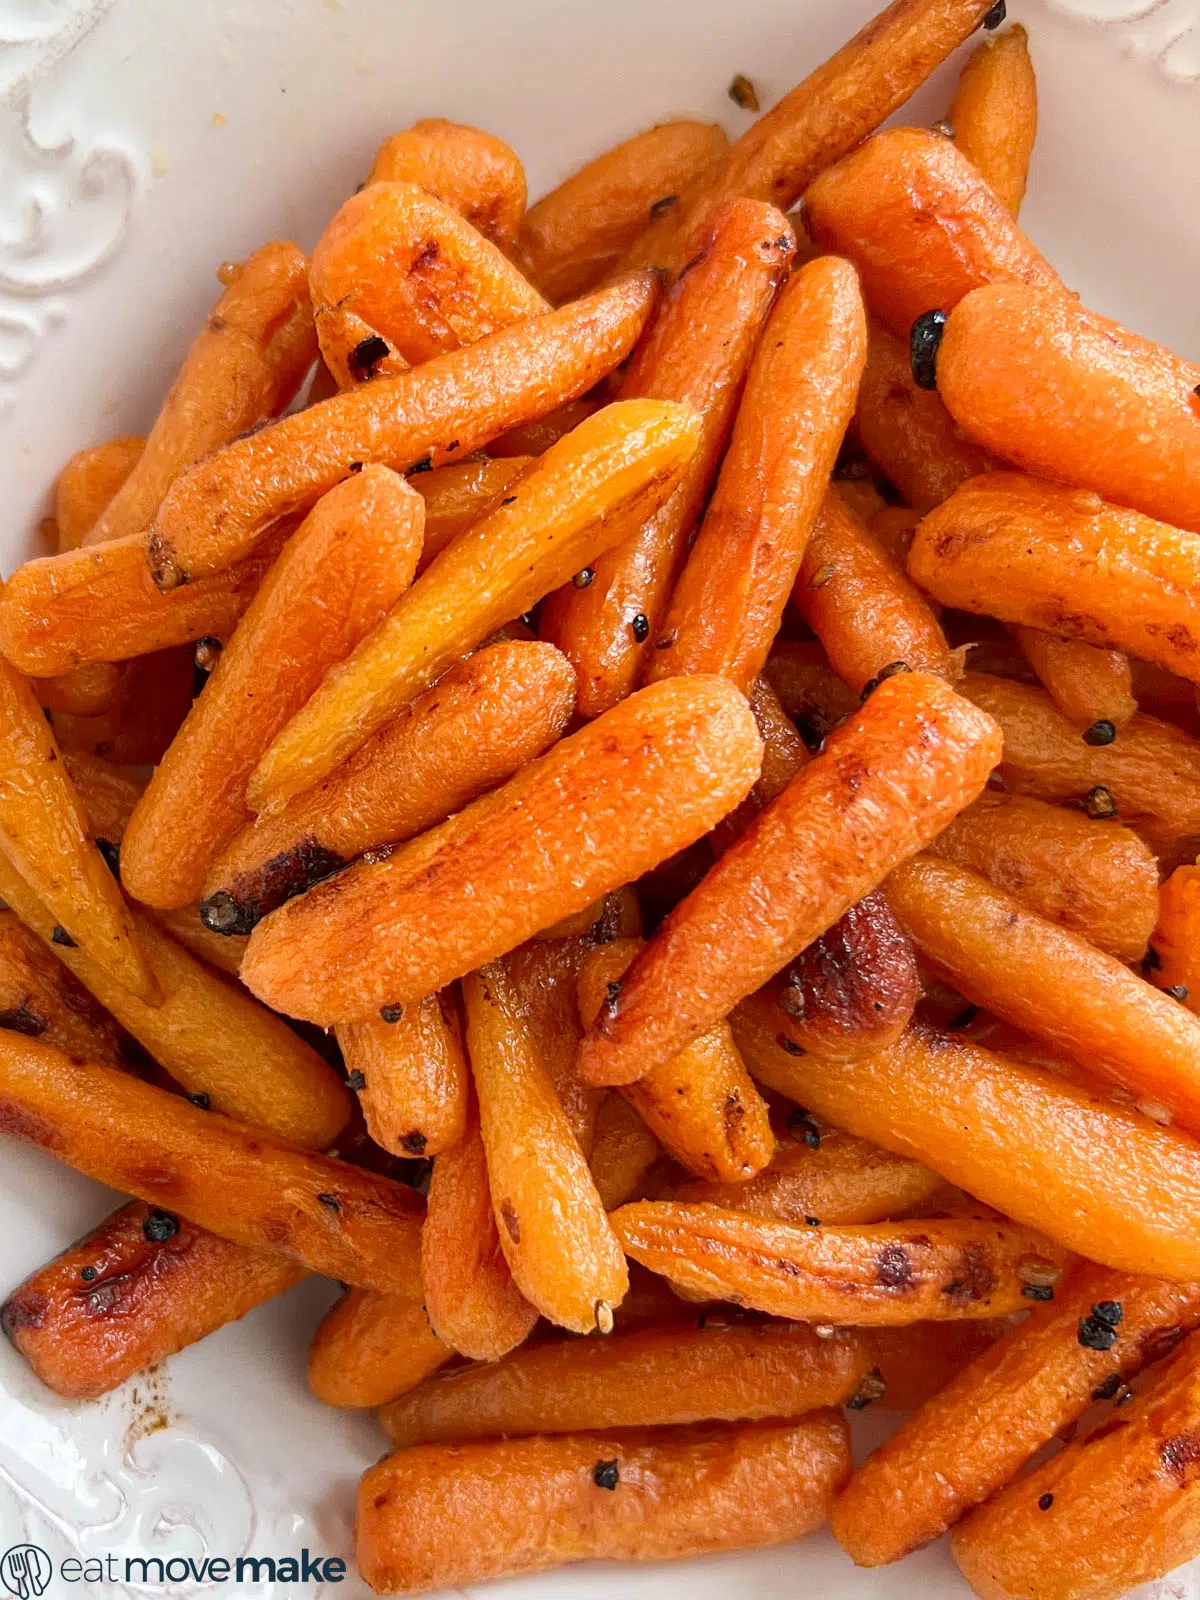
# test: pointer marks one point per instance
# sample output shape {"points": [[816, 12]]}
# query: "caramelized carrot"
{"points": [[414, 1094], [994, 113], [465, 168], [701, 1105], [880, 1273], [651, 1378], [339, 574], [1065, 394], [597, 811], [917, 1362], [553, 1229], [799, 397], [457, 495], [42, 1000], [1020, 1138], [544, 973], [217, 512], [88, 483], [922, 227], [1175, 943], [624, 1151], [371, 1347], [439, 1516], [1086, 683], [244, 1183], [884, 785], [865, 612], [1032, 1383], [244, 366], [697, 352], [143, 1285]]}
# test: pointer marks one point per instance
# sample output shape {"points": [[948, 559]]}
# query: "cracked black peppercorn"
{"points": [[800, 1126], [890, 671], [89, 1274], [640, 627], [62, 937], [1045, 1501], [390, 1013], [330, 1200], [743, 93], [924, 342], [1038, 1291], [583, 577], [872, 1387], [1108, 1388], [1096, 1334], [200, 1100], [1100, 804], [606, 1474], [367, 354], [1110, 1311], [1100, 733], [112, 856], [160, 1226], [1177, 991], [357, 1081], [414, 1143]]}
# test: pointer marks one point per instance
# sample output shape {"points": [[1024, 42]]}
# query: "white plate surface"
{"points": [[142, 142]]}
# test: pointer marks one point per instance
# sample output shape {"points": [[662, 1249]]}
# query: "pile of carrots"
{"points": [[697, 705]]}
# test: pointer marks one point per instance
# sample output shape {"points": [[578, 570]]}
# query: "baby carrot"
{"points": [[994, 113], [1087, 684], [1174, 961], [414, 1088], [88, 483], [369, 1348], [465, 168]]}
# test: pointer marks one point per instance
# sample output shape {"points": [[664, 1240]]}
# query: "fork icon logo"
{"points": [[25, 1571]]}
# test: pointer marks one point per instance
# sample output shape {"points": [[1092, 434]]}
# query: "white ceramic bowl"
{"points": [[142, 142]]}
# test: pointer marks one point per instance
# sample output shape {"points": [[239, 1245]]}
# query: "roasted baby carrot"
{"points": [[338, 575], [1062, 560], [88, 483], [879, 1273], [651, 1378], [553, 1230], [575, 234], [414, 1077], [438, 1516], [1066, 394], [465, 168], [994, 113], [1086, 683], [544, 974], [1018, 1137], [853, 989], [1096, 878], [1106, 1514], [451, 406], [472, 1301], [624, 1152], [799, 397], [99, 604], [1148, 776], [455, 496], [922, 226], [1031, 1384], [242, 1182], [1051, 983], [701, 1105], [824, 117], [369, 1348], [808, 689], [86, 691], [906, 430], [42, 1000], [137, 728], [917, 1362], [697, 351], [398, 277], [865, 612], [210, 1035], [890, 780], [599, 810], [534, 438], [478, 725], [243, 367], [44, 835], [143, 1285], [582, 497], [1174, 959]]}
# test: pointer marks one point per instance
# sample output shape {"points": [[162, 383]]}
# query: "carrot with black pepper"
{"points": [[471, 171], [414, 1092], [369, 1348], [1088, 684], [1173, 960], [216, 513], [799, 397], [581, 498], [624, 1152], [914, 756], [461, 493], [41, 999], [598, 811]]}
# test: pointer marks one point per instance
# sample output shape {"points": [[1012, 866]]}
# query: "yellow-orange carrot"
{"points": [[1175, 942], [88, 483], [1086, 683], [465, 168], [369, 1348], [624, 1151], [994, 113], [414, 1076]]}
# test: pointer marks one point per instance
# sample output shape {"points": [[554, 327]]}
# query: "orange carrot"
{"points": [[414, 1094], [884, 785], [994, 113], [87, 484], [1175, 943], [1086, 683], [369, 1348], [458, 495], [799, 397], [624, 1151], [40, 998], [473, 172]]}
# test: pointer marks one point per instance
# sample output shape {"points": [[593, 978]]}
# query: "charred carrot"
{"points": [[369, 1348], [884, 785], [339, 574], [697, 351], [472, 1301], [970, 1440], [799, 396], [398, 277], [217, 512], [994, 113], [1020, 1138], [651, 1378], [244, 366], [553, 1230], [414, 1078], [442, 1515], [465, 168], [1066, 394], [582, 497], [701, 1106], [879, 1273], [922, 226], [143, 1285], [597, 811]]}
